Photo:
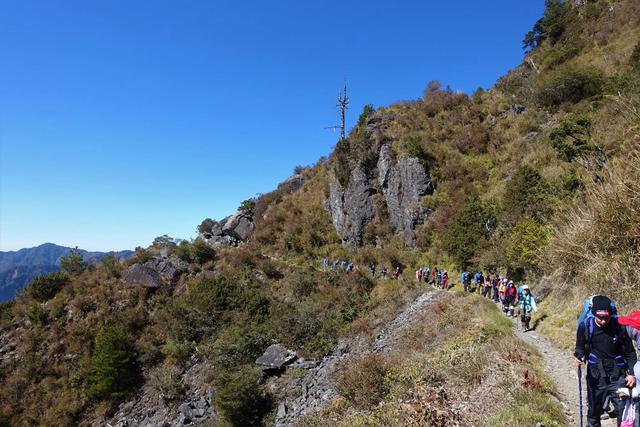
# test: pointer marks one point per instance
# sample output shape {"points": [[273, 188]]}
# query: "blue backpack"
{"points": [[587, 318]]}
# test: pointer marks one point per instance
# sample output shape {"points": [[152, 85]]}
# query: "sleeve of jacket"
{"points": [[580, 342]]}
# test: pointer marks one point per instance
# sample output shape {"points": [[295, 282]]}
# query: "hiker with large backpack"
{"points": [[511, 293], [463, 280], [425, 274], [526, 305], [445, 280], [604, 345]]}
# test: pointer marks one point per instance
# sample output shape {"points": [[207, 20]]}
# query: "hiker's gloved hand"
{"points": [[631, 381]]}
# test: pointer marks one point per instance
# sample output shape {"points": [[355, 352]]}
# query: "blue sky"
{"points": [[122, 120]]}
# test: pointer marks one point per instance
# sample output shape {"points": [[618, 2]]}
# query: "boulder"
{"points": [[239, 225], [275, 358], [141, 275], [155, 272], [292, 184]]}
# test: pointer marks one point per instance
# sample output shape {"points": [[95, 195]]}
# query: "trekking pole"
{"points": [[580, 392]]}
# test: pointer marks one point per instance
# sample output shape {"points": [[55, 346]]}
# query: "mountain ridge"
{"points": [[19, 267]]}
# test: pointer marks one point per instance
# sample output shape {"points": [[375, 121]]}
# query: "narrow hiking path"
{"points": [[561, 366]]}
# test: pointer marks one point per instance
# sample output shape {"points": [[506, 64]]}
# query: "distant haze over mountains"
{"points": [[18, 268]]}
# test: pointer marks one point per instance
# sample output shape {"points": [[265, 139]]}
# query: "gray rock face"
{"points": [[351, 208], [155, 272], [292, 184], [275, 358], [239, 225], [403, 185], [231, 230], [141, 275]]}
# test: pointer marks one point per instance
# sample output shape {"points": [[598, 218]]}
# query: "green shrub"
{"points": [[36, 314], [241, 400], [205, 226], [468, 229], [526, 243], [164, 242], [568, 83], [112, 266], [114, 368], [177, 352], [527, 194], [367, 111], [73, 262], [363, 382], [237, 345], [45, 287], [6, 312], [571, 136], [550, 26], [247, 205], [198, 251]]}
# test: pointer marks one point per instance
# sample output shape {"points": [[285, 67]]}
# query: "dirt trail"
{"points": [[560, 365]]}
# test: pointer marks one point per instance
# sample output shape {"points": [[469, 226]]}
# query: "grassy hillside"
{"points": [[536, 178]]}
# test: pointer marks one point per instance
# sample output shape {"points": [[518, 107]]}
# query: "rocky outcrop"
{"points": [[403, 182], [351, 207], [230, 231], [155, 272], [403, 185], [291, 184], [150, 407]]}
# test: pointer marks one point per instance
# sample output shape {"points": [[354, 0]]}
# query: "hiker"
{"points": [[425, 274], [335, 264], [343, 264], [511, 294], [372, 270], [434, 276], [632, 324], [486, 292], [419, 274], [349, 268], [463, 280], [383, 272], [526, 304], [325, 263], [396, 273], [476, 280], [607, 350], [439, 279], [502, 293], [495, 284], [445, 280]]}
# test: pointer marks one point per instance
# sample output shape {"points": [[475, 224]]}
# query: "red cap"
{"points": [[633, 319]]}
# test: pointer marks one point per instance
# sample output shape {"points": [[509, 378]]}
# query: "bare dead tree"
{"points": [[343, 104]]}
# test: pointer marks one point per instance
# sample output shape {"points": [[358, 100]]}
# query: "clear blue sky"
{"points": [[121, 120]]}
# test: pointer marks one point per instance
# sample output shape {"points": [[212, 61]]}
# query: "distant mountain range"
{"points": [[18, 268]]}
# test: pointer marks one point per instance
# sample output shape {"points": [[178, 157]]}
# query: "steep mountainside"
{"points": [[18, 268], [535, 179]]}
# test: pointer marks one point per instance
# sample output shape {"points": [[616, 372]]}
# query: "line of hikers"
{"points": [[516, 301], [437, 278], [338, 264], [348, 267]]}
